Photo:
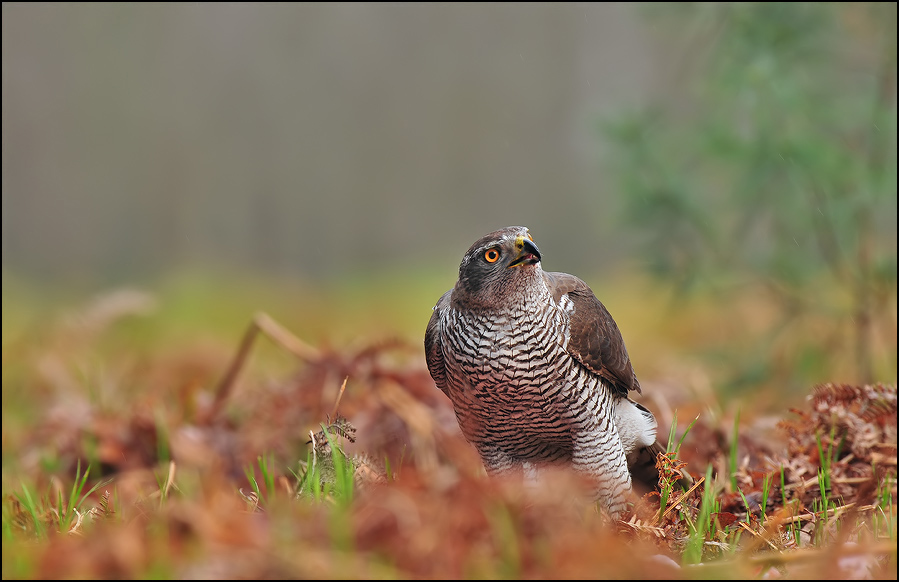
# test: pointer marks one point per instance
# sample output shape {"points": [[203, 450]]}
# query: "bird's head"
{"points": [[496, 266]]}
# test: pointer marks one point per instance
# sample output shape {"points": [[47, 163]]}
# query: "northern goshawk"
{"points": [[537, 370]]}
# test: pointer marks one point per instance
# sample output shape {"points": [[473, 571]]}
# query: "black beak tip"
{"points": [[528, 254], [531, 248]]}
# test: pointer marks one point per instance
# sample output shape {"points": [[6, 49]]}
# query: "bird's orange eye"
{"points": [[491, 256]]}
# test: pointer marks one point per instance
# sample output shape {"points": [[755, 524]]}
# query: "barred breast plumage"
{"points": [[536, 368]]}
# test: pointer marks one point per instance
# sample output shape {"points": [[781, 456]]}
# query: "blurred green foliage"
{"points": [[777, 171]]}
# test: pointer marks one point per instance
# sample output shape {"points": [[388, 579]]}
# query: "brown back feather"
{"points": [[595, 341], [433, 349]]}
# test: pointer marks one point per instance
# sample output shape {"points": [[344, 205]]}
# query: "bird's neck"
{"points": [[528, 292]]}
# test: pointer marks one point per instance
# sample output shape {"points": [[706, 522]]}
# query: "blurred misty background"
{"points": [[738, 157], [309, 139]]}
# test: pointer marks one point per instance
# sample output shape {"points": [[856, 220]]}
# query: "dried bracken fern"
{"points": [[645, 528], [438, 515], [328, 443], [671, 469], [849, 429]]}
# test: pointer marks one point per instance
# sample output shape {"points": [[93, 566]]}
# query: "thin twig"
{"points": [[833, 512], [285, 338], [170, 480], [337, 402], [261, 322], [765, 539], [680, 499]]}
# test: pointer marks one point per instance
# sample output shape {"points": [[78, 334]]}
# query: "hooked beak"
{"points": [[528, 253]]}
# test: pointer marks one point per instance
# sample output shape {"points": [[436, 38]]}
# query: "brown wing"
{"points": [[433, 350], [595, 339]]}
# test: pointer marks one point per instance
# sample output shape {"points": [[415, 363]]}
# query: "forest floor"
{"points": [[182, 464]]}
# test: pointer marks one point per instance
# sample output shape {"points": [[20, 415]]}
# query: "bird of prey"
{"points": [[537, 370]]}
